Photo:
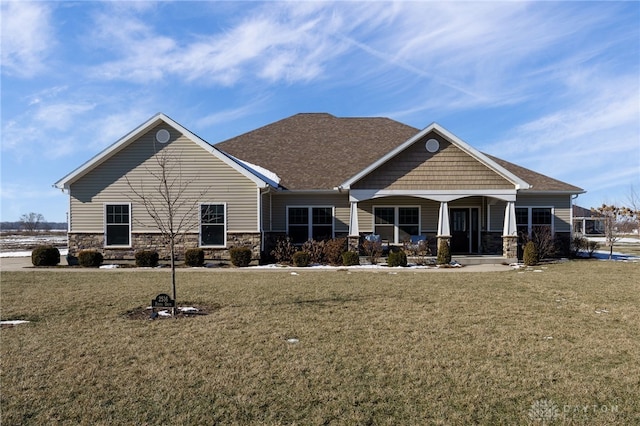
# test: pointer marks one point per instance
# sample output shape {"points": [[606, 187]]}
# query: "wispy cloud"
{"points": [[27, 37]]}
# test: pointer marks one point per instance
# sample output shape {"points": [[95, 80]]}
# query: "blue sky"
{"points": [[554, 87]]}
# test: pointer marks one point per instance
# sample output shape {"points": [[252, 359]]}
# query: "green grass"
{"points": [[374, 348]]}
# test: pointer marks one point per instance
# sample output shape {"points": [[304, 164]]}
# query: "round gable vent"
{"points": [[163, 136], [432, 145]]}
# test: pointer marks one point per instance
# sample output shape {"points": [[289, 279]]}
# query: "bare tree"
{"points": [[613, 219], [166, 201], [31, 221], [633, 200]]}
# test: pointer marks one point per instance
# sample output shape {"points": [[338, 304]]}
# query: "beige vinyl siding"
{"points": [[495, 212], [561, 205], [429, 211], [210, 180], [281, 201], [448, 169]]}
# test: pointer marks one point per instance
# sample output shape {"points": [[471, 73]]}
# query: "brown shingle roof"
{"points": [[321, 151], [538, 182], [318, 151]]}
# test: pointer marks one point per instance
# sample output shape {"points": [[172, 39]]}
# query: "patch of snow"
{"points": [[293, 340], [164, 313], [270, 177], [187, 309], [109, 266], [13, 322]]}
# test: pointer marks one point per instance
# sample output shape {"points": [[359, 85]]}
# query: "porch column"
{"points": [[354, 228], [444, 232], [510, 232]]}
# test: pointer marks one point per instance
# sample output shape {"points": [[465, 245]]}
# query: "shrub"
{"points": [[544, 241], [283, 251], [350, 258], [334, 249], [530, 256], [397, 258], [45, 256], [90, 258], [444, 253], [194, 257], [240, 256], [301, 258], [315, 250], [373, 250], [592, 246], [147, 258], [578, 244]]}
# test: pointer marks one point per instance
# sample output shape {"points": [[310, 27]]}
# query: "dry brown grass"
{"points": [[374, 348]]}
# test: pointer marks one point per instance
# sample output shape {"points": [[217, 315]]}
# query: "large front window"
{"points": [[534, 220], [396, 224], [212, 225], [117, 225], [307, 223]]}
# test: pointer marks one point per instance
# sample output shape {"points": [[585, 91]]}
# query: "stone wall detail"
{"points": [[154, 241]]}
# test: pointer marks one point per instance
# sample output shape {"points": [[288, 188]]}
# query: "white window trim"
{"points": [[396, 216], [104, 221], [530, 217], [310, 224], [226, 219]]}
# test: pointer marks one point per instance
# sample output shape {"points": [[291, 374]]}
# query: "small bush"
{"points": [[283, 251], [444, 253], [315, 250], [194, 257], [147, 258], [301, 259], [578, 244], [240, 256], [372, 250], [592, 246], [397, 258], [530, 256], [350, 258], [334, 249], [90, 258], [45, 256]]}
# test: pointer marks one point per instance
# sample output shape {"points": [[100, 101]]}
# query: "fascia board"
{"points": [[519, 183]]}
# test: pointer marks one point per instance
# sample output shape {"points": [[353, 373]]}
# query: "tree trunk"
{"points": [[173, 277]]}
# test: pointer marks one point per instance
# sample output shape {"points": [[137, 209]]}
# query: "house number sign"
{"points": [[163, 301]]}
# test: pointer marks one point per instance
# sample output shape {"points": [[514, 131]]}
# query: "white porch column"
{"points": [[510, 229], [354, 229], [443, 220]]}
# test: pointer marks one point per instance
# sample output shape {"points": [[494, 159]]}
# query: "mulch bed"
{"points": [[145, 312]]}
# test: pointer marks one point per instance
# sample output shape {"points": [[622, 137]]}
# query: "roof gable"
{"points": [[139, 131], [447, 168], [447, 137]]}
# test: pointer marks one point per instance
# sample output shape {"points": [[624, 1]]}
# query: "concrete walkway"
{"points": [[24, 264]]}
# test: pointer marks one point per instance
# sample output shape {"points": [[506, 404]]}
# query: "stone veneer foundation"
{"points": [[95, 241]]}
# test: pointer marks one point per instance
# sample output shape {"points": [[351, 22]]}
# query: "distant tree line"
{"points": [[32, 222]]}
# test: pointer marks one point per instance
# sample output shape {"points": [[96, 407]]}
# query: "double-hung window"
{"points": [[305, 223], [117, 225], [213, 225], [396, 224]]}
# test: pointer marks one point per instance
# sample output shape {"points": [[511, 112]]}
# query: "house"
{"points": [[587, 222], [313, 176]]}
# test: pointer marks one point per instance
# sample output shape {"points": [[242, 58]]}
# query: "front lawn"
{"points": [[554, 343]]}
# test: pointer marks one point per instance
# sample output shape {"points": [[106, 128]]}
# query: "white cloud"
{"points": [[27, 37]]}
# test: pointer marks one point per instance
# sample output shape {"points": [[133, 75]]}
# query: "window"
{"points": [[212, 225], [117, 225], [531, 220], [396, 224], [306, 223]]}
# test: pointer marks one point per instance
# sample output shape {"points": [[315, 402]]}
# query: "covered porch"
{"points": [[479, 225]]}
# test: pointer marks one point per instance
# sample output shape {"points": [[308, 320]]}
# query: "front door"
{"points": [[464, 230]]}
